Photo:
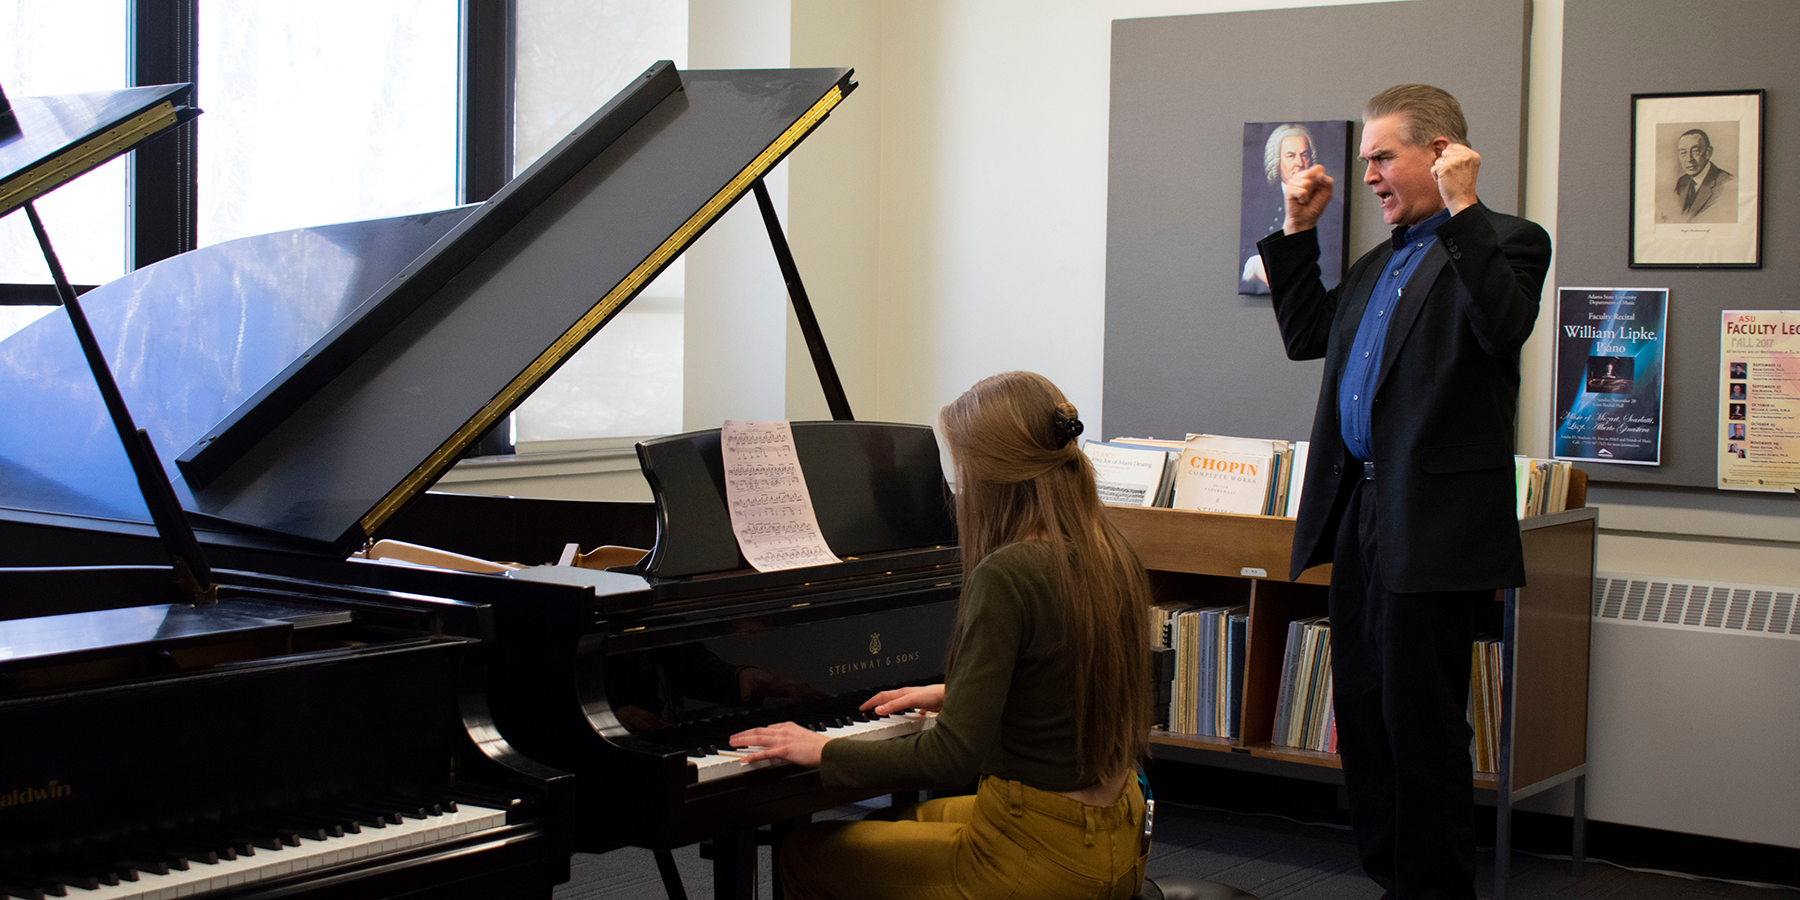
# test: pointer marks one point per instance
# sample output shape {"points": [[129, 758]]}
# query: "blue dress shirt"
{"points": [[1356, 389]]}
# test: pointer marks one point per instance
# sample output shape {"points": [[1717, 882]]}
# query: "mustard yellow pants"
{"points": [[1008, 841]]}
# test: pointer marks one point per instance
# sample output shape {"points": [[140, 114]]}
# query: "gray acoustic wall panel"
{"points": [[1611, 50], [1184, 351]]}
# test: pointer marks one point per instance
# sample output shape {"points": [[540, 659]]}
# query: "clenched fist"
{"points": [[1455, 172], [1306, 195]]}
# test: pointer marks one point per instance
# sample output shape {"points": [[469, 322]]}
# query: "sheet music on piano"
{"points": [[771, 510]]}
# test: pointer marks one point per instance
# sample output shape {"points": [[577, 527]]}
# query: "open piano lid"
{"points": [[405, 377], [45, 141]]}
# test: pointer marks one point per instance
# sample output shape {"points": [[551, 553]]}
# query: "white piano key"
{"points": [[724, 765], [200, 879]]}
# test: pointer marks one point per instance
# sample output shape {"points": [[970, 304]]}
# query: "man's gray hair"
{"points": [[1426, 113], [1272, 149]]}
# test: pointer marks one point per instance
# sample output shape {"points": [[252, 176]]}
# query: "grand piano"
{"points": [[175, 730], [305, 389]]}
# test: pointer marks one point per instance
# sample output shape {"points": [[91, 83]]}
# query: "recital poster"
{"points": [[1609, 374], [1759, 400]]}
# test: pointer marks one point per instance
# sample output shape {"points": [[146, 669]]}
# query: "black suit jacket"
{"points": [[1446, 398], [1717, 180]]}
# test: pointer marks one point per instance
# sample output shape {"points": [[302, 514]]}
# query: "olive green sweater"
{"points": [[1007, 711]]}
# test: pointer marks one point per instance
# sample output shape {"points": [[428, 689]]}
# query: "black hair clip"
{"points": [[1066, 428]]}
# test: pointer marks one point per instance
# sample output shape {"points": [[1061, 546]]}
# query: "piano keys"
{"points": [[161, 749], [713, 762], [267, 853]]}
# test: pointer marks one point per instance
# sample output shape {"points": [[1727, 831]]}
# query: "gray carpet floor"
{"points": [[1272, 858]]}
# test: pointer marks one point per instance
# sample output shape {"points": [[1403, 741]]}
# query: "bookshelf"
{"points": [[1235, 559]]}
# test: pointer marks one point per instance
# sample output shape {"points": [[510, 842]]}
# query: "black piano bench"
{"points": [[1174, 887]]}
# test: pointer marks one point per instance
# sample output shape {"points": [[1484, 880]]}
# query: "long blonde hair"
{"points": [[1019, 477]]}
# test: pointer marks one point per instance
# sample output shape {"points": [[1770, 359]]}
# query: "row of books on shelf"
{"points": [[1207, 472], [1209, 644], [1304, 715], [1209, 666], [1541, 486], [1216, 473], [1484, 704]]}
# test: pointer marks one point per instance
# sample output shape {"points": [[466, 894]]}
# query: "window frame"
{"points": [[162, 177]]}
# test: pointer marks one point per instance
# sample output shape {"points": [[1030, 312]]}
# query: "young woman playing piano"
{"points": [[1045, 697]]}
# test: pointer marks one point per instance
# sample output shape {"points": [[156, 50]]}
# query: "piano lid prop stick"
{"points": [[835, 398], [192, 574]]}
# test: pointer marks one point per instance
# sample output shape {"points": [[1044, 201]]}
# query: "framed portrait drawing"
{"points": [[1696, 180], [1273, 153]]}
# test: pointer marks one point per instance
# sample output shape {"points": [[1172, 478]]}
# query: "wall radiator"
{"points": [[1694, 708]]}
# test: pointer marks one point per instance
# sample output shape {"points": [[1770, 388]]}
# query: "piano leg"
{"points": [[671, 876], [778, 833], [734, 865]]}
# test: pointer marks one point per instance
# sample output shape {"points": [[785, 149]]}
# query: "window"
{"points": [[572, 57], [324, 111], [65, 47]]}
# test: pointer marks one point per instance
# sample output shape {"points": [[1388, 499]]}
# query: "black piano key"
{"points": [[107, 872], [192, 856], [137, 864], [224, 840], [332, 825], [113, 873], [12, 885], [119, 871], [260, 840], [267, 833], [409, 810], [372, 817], [38, 889], [299, 831], [433, 806], [85, 882]]}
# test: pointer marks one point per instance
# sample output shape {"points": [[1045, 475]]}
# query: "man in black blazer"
{"points": [[1409, 482]]}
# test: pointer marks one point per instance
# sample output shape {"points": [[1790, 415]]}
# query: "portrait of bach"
{"points": [[1289, 150], [1704, 191]]}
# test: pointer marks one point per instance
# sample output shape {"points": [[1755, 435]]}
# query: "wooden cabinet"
{"points": [[1225, 558]]}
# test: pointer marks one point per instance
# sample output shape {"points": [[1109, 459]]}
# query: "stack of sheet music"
{"points": [[1542, 485], [1207, 472], [1484, 703], [1209, 667], [1303, 711]]}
